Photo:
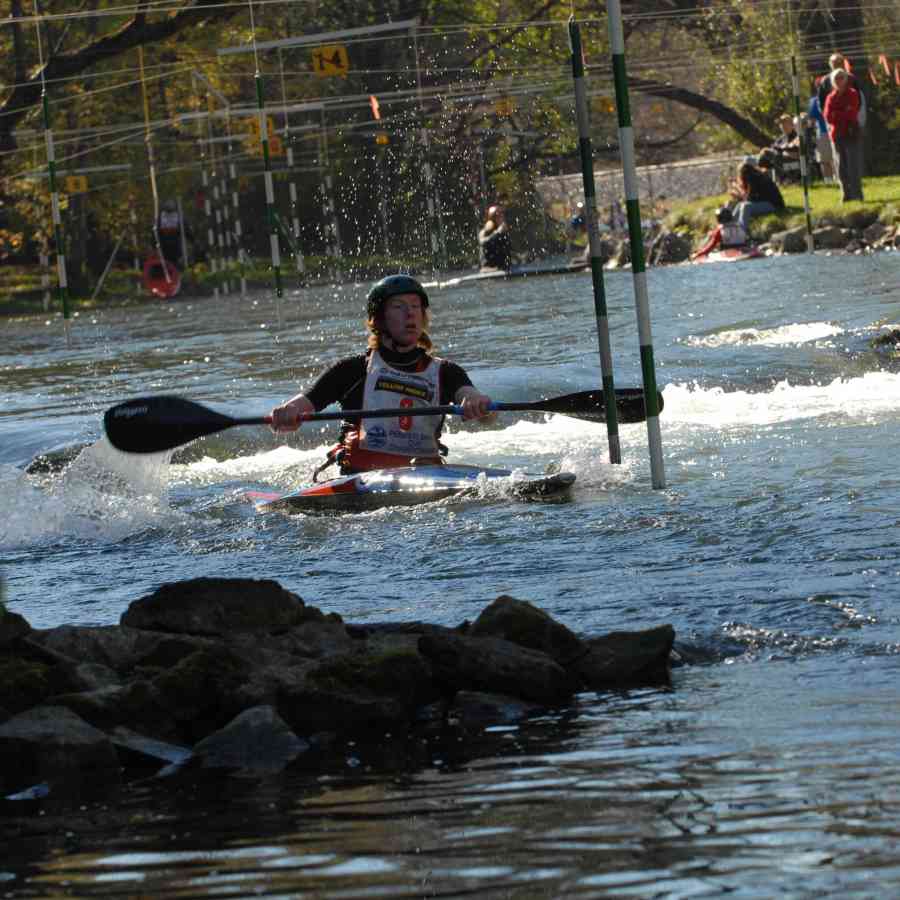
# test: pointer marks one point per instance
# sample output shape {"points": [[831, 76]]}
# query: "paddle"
{"points": [[154, 424]]}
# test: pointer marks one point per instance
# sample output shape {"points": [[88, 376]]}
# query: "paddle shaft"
{"points": [[152, 424]]}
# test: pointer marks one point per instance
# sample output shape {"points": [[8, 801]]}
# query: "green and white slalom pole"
{"points": [[58, 237], [590, 214], [267, 165], [236, 209], [638, 268], [804, 171], [45, 277], [299, 262]]}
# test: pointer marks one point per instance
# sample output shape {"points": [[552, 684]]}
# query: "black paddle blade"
{"points": [[591, 405], [154, 424]]}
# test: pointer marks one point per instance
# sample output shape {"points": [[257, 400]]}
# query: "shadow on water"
{"points": [[647, 793]]}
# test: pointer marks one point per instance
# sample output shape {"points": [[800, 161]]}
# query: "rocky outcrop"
{"points": [[242, 676]]}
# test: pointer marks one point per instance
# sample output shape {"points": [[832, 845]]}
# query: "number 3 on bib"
{"points": [[405, 421]]}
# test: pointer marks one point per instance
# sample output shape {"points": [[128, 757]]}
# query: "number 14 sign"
{"points": [[330, 61]]}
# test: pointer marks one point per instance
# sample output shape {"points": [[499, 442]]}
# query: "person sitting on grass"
{"points": [[756, 193]]}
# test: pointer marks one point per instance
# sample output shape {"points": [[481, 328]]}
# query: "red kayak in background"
{"points": [[155, 280], [731, 254]]}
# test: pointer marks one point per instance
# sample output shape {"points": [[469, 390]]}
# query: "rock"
{"points": [[627, 657], [791, 241], [138, 750], [874, 233], [621, 257], [830, 237], [50, 743], [201, 692], [528, 626], [219, 606], [254, 744], [494, 665], [12, 627], [363, 692], [226, 670], [474, 709], [26, 681], [889, 339], [668, 247], [137, 704]]}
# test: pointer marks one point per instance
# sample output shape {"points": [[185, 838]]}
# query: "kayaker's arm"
{"points": [[288, 416], [475, 405]]}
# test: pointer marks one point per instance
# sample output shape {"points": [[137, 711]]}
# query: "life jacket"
{"points": [[168, 222], [390, 442], [733, 235]]}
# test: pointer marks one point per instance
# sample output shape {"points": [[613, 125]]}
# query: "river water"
{"points": [[770, 767]]}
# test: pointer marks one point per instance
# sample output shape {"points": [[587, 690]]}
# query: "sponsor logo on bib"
{"points": [[376, 436]]}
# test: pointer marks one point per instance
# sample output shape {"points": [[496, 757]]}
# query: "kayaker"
{"points": [[397, 370], [727, 233], [495, 249], [168, 226]]}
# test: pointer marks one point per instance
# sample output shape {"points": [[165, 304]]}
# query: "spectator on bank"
{"points": [[842, 108], [756, 195], [823, 141], [826, 85], [787, 150], [494, 241]]}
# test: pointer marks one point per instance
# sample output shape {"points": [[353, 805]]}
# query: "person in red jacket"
{"points": [[841, 112]]}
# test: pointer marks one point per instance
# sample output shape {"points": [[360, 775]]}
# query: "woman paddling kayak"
{"points": [[397, 370]]}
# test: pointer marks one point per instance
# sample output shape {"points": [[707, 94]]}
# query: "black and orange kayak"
{"points": [[412, 485], [161, 282]]}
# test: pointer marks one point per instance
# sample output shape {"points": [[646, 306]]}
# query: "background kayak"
{"points": [[164, 283]]}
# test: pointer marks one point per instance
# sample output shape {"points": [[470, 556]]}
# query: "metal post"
{"points": [[270, 190], [638, 270], [184, 248], [58, 237], [151, 162], [299, 262], [804, 172], [590, 215], [432, 198], [236, 209]]}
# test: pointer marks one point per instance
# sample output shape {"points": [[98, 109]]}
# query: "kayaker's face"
{"points": [[404, 320]]}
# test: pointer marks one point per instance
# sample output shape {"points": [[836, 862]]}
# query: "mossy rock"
{"points": [[25, 683], [860, 219], [201, 690], [393, 673]]}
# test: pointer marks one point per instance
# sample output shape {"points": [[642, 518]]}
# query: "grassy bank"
{"points": [[882, 203], [22, 293]]}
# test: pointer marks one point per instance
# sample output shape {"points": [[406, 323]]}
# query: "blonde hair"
{"points": [[834, 59], [838, 73], [374, 327]]}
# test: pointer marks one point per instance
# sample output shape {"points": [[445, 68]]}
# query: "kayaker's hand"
{"points": [[288, 416], [475, 405]]}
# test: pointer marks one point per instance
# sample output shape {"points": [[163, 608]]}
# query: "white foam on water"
{"points": [[795, 333], [869, 396], [103, 495], [283, 466]]}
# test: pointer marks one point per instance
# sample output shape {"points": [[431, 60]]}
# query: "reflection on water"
{"points": [[684, 792]]}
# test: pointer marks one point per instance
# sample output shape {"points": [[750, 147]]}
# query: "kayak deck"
{"points": [[412, 485]]}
